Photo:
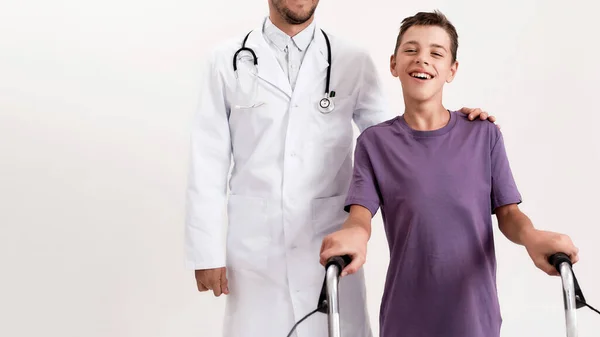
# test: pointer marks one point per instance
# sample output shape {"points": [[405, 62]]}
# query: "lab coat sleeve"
{"points": [[210, 160], [371, 105]]}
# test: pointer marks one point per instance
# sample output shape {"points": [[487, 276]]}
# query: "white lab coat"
{"points": [[291, 170]]}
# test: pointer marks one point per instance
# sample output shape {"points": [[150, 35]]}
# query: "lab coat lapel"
{"points": [[268, 67], [314, 66]]}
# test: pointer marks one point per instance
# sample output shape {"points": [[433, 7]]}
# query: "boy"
{"points": [[437, 178]]}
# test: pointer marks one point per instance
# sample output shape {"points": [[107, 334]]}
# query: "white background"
{"points": [[95, 105]]}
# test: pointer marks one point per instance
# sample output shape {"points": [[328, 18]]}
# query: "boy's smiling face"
{"points": [[423, 62]]}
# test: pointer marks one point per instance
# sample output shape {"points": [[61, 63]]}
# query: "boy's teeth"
{"points": [[421, 75]]}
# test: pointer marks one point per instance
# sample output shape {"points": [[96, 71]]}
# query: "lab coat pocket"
{"points": [[328, 215], [248, 234]]}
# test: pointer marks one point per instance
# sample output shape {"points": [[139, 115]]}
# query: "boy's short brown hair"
{"points": [[435, 18]]}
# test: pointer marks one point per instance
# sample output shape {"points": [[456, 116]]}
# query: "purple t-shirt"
{"points": [[437, 191]]}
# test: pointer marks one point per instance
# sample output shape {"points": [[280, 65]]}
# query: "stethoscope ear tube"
{"points": [[254, 58]]}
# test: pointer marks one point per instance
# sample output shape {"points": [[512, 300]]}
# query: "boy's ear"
{"points": [[453, 70], [393, 65]]}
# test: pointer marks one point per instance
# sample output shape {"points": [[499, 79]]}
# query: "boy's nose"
{"points": [[419, 61]]}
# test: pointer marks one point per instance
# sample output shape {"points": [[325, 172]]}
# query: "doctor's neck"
{"points": [[291, 29], [425, 115]]}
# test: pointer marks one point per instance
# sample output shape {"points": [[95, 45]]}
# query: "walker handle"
{"points": [[329, 300], [332, 276], [340, 261], [559, 258]]}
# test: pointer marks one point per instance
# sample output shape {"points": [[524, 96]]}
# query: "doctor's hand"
{"points": [[476, 112], [348, 241], [212, 279]]}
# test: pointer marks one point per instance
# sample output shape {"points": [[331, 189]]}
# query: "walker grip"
{"points": [[556, 260], [340, 261], [559, 258]]}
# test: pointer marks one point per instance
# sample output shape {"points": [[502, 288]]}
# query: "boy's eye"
{"points": [[410, 50], [438, 54]]}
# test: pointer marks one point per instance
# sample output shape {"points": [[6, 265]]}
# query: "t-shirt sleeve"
{"points": [[504, 188], [363, 189]]}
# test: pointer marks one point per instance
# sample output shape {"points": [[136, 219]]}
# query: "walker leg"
{"points": [[333, 312], [563, 264], [329, 300]]}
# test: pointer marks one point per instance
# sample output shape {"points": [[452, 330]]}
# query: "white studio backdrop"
{"points": [[95, 105]]}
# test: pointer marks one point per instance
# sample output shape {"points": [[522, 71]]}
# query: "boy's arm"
{"points": [[362, 203], [351, 240], [540, 245], [515, 225], [359, 218]]}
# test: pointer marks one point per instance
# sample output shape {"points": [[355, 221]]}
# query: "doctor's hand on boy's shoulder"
{"points": [[473, 113], [541, 245], [212, 279]]}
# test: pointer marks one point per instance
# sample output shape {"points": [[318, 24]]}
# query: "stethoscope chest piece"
{"points": [[326, 104]]}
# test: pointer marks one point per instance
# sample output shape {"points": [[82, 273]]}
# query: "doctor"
{"points": [[284, 117]]}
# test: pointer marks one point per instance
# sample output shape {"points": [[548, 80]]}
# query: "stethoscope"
{"points": [[326, 104]]}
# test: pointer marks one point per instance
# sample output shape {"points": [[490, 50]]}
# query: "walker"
{"points": [[572, 295], [329, 298]]}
